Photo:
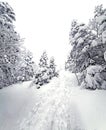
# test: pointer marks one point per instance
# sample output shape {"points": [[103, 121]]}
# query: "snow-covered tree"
{"points": [[41, 76], [52, 72], [6, 12], [94, 23], [98, 22], [95, 78], [43, 60], [46, 71], [10, 43], [88, 45], [27, 67], [81, 38], [15, 62]]}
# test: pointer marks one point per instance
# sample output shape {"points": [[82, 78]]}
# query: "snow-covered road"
{"points": [[55, 110], [59, 105]]}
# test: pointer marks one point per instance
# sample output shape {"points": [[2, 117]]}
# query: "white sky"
{"points": [[46, 23]]}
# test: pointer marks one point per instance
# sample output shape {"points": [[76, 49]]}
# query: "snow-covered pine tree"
{"points": [[6, 12], [27, 67], [43, 69], [88, 49], [81, 39], [9, 44], [52, 69], [93, 23], [98, 23], [30, 66], [98, 26], [43, 60], [93, 78]]}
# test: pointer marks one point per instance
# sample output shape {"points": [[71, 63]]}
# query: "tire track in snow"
{"points": [[54, 111]]}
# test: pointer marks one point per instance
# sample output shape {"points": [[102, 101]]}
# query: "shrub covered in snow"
{"points": [[95, 78], [41, 77]]}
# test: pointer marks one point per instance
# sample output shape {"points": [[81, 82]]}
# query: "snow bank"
{"points": [[92, 107], [15, 102]]}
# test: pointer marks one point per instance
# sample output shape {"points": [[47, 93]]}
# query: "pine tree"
{"points": [[27, 67], [30, 66], [81, 39], [42, 75], [43, 60], [6, 13], [93, 78], [52, 69], [98, 23], [88, 45], [100, 31], [9, 43]]}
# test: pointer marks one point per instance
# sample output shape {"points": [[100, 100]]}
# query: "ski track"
{"points": [[54, 110], [59, 105]]}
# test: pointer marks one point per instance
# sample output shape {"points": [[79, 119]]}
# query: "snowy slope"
{"points": [[60, 105], [15, 102]]}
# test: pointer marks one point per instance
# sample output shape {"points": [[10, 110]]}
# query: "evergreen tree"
{"points": [[43, 60], [100, 29], [6, 12], [27, 67], [98, 23], [46, 71], [88, 47], [41, 76], [52, 68], [9, 44], [30, 66], [81, 39], [93, 23]]}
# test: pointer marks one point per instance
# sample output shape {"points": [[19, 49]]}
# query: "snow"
{"points": [[104, 37], [60, 105], [102, 28], [95, 78], [94, 69], [94, 43], [100, 19], [85, 49], [15, 102], [105, 55]]}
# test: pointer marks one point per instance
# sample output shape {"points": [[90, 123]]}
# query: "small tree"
{"points": [[43, 60], [42, 77], [27, 67], [52, 68], [46, 71]]}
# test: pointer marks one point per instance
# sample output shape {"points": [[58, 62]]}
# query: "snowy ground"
{"points": [[60, 105]]}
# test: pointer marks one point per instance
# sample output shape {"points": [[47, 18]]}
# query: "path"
{"points": [[55, 110], [59, 105]]}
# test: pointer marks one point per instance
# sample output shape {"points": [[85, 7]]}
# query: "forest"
{"points": [[16, 62], [87, 57], [44, 96]]}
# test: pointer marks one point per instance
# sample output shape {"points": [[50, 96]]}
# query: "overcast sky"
{"points": [[45, 24]]}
